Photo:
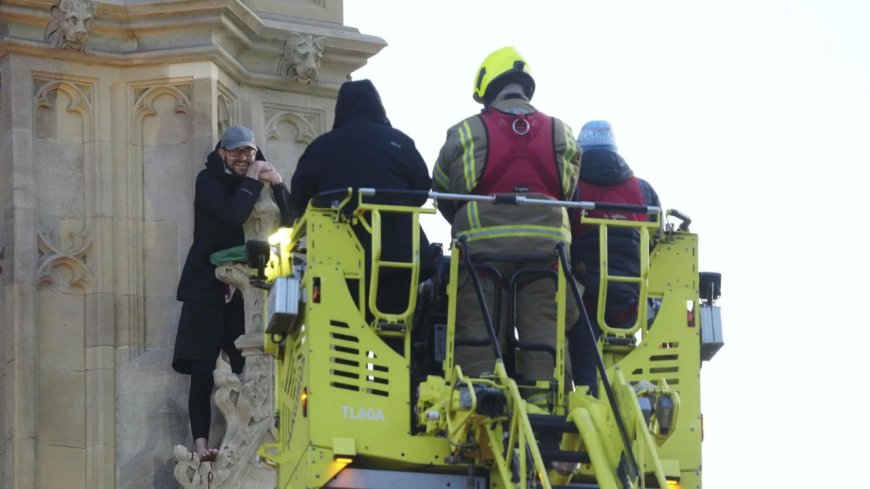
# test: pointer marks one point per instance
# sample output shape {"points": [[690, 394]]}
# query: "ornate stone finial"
{"points": [[247, 408], [265, 218], [70, 24], [263, 221], [302, 56]]}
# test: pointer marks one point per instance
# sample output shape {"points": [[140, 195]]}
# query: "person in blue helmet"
{"points": [[604, 177]]}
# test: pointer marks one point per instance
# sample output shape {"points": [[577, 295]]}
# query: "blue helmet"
{"points": [[596, 135]]}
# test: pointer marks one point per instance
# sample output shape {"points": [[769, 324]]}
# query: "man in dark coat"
{"points": [[605, 177], [364, 151], [212, 316]]}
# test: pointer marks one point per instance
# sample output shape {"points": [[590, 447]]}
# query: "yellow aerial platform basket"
{"points": [[371, 399]]}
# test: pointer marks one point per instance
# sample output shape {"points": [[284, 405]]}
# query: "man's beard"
{"points": [[231, 168]]}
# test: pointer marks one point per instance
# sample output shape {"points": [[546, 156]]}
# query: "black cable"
{"points": [[478, 289]]}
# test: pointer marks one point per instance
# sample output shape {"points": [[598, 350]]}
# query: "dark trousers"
{"points": [[204, 331], [199, 398], [583, 346]]}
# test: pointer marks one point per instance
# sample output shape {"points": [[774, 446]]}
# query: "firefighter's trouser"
{"points": [[535, 322]]}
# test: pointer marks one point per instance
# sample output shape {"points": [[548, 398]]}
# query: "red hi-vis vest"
{"points": [[520, 155], [627, 192]]}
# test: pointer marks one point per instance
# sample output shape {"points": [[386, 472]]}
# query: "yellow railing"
{"points": [[377, 264], [644, 228]]}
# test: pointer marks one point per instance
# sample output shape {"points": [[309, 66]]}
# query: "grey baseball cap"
{"points": [[238, 137]]}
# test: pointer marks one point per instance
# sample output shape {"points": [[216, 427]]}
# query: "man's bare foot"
{"points": [[205, 453]]}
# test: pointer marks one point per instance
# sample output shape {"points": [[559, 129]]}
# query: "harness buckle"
{"points": [[521, 126]]}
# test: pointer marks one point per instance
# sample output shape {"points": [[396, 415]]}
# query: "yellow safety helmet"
{"points": [[498, 69]]}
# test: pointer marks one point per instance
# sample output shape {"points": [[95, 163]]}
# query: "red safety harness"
{"points": [[520, 155]]}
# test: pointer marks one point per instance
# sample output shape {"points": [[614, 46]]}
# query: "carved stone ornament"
{"points": [[265, 218], [70, 24], [302, 56], [238, 275], [247, 408], [63, 262]]}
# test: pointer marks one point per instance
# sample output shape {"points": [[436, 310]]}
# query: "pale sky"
{"points": [[749, 116]]}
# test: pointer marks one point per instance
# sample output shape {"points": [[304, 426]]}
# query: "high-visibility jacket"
{"points": [[494, 153]]}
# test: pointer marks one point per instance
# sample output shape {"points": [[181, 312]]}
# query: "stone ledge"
{"points": [[249, 48]]}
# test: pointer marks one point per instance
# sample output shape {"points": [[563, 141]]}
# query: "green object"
{"points": [[234, 254]]}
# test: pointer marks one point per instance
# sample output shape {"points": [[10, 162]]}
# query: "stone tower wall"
{"points": [[107, 111]]}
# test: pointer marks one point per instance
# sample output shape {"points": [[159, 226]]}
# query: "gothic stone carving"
{"points": [[265, 218], [302, 56], [308, 123], [63, 262], [227, 108], [247, 408], [70, 24]]}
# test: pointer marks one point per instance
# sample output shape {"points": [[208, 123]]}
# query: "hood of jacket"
{"points": [[604, 167], [359, 99]]}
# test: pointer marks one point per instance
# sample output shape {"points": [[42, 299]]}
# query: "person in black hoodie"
{"points": [[212, 316], [605, 177], [363, 150]]}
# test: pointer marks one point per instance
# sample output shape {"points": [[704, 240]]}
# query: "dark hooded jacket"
{"points": [[364, 151], [222, 203], [605, 168]]}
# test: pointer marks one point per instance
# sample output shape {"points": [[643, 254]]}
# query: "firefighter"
{"points": [[605, 177], [508, 148]]}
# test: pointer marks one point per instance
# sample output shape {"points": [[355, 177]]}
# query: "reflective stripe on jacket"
{"points": [[501, 228]]}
